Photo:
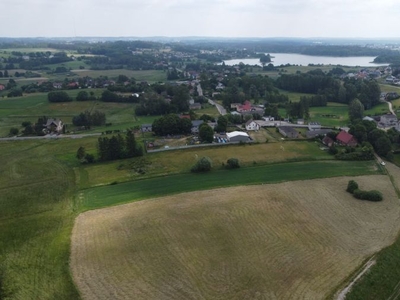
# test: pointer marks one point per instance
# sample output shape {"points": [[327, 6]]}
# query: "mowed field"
{"points": [[293, 240]]}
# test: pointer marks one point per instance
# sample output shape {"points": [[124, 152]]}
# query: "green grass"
{"points": [[318, 114], [146, 75], [381, 281], [36, 219], [160, 186], [379, 109]]}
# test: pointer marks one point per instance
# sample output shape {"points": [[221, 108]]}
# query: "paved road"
{"points": [[50, 137], [221, 109]]}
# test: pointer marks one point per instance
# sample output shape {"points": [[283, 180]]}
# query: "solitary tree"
{"points": [[356, 110], [80, 154], [204, 164], [206, 133]]}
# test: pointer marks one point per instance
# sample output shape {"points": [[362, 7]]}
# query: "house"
{"points": [[54, 125], [252, 125], [195, 106], [196, 125], [314, 133], [346, 139], [327, 141], [146, 128], [2, 87], [300, 121], [288, 131], [57, 85], [388, 120], [238, 136]]}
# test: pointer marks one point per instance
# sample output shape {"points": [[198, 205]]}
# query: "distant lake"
{"points": [[304, 60]]}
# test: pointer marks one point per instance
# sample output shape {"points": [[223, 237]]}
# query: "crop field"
{"points": [[103, 196], [36, 218], [294, 240]]}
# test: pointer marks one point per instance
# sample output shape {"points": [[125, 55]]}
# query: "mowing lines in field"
{"points": [[295, 240]]}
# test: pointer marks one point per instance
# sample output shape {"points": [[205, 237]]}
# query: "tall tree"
{"points": [[356, 110]]}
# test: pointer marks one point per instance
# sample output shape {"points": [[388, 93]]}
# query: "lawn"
{"points": [[334, 114]]}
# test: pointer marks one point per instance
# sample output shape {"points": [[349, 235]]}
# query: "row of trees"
{"points": [[118, 147], [88, 119]]}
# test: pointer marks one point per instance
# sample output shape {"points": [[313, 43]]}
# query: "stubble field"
{"points": [[294, 240]]}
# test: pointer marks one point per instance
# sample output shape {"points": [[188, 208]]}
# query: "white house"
{"points": [[252, 125], [54, 125]]}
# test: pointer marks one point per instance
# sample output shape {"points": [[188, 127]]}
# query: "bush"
{"points": [[204, 164], [352, 186], [232, 163], [13, 131], [58, 97]]}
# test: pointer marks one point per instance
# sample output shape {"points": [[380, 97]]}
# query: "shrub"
{"points": [[352, 186], [373, 195], [204, 164], [232, 163], [13, 131]]}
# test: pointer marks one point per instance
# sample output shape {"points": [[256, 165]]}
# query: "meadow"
{"points": [[294, 240]]}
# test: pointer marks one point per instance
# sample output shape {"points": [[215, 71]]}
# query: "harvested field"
{"points": [[294, 240]]}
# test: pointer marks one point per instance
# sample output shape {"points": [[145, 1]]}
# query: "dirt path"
{"points": [[390, 106], [343, 293]]}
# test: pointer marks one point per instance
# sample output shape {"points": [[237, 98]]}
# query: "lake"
{"points": [[304, 60]]}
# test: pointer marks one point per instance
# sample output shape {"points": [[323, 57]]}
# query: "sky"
{"points": [[207, 18]]}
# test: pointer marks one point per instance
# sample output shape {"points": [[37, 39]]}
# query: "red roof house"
{"points": [[346, 139]]}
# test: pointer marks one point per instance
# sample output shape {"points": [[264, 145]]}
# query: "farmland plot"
{"points": [[294, 240]]}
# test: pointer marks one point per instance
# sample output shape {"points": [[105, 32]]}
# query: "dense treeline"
{"points": [[118, 147], [304, 83], [59, 96], [155, 103], [170, 125], [88, 119], [334, 90], [392, 57]]}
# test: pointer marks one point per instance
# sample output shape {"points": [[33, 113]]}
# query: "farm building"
{"points": [[237, 136], [252, 125], [288, 131], [346, 139], [147, 128]]}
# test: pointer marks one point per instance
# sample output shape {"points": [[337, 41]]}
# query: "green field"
{"points": [[141, 189], [338, 112]]}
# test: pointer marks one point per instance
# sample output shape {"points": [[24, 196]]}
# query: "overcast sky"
{"points": [[216, 18]]}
